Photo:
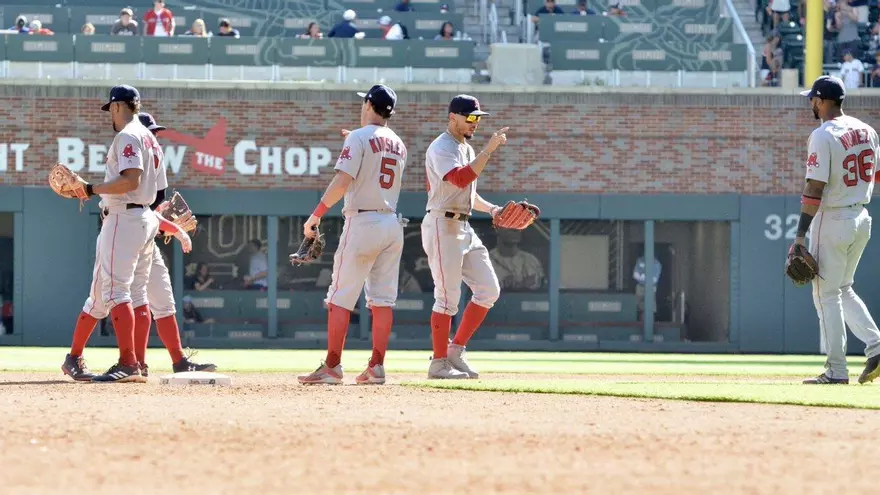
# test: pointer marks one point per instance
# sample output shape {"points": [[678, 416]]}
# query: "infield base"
{"points": [[196, 378]]}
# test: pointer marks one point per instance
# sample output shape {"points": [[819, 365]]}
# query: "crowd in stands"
{"points": [[851, 38], [550, 8], [159, 21]]}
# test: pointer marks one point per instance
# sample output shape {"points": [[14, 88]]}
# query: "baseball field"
{"points": [[533, 423]]}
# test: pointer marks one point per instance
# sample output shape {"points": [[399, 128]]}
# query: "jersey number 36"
{"points": [[387, 173], [857, 167]]}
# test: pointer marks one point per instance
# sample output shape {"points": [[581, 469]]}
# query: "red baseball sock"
{"points": [[169, 334], [471, 319], [382, 319], [123, 324], [85, 325], [337, 327], [440, 326], [142, 322]]}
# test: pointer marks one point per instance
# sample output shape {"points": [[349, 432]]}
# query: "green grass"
{"points": [[853, 396], [725, 378], [49, 359]]}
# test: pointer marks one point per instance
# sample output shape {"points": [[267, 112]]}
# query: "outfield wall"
{"points": [[707, 182]]}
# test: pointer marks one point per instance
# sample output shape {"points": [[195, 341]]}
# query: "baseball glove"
{"points": [[68, 184], [516, 215], [801, 266], [177, 211], [310, 249]]}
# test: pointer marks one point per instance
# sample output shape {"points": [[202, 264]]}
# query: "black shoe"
{"points": [[824, 379], [145, 370], [75, 367], [121, 374], [872, 370], [186, 365]]}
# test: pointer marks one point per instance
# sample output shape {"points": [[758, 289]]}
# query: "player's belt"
{"points": [[454, 216], [372, 211], [128, 206]]}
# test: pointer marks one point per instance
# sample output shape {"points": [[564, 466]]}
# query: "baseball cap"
{"points": [[827, 88], [465, 105], [382, 97], [384, 21], [122, 92], [149, 122]]}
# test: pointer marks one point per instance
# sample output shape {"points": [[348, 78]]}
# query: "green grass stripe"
{"points": [[275, 360], [852, 396]]}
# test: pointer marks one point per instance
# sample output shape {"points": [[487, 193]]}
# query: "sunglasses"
{"points": [[472, 119]]}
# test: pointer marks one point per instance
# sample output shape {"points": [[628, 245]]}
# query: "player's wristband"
{"points": [[804, 224], [320, 210], [810, 200], [90, 191]]}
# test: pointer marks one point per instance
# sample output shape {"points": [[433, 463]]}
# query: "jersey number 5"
{"points": [[387, 173], [859, 166]]}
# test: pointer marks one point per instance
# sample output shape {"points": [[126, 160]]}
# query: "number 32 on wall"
{"points": [[774, 228]]}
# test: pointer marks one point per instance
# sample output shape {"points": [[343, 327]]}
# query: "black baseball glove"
{"points": [[309, 250], [801, 267]]}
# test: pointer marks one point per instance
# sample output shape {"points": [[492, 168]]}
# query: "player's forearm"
{"points": [[123, 184], [810, 202], [480, 204], [335, 191], [166, 226], [480, 162]]}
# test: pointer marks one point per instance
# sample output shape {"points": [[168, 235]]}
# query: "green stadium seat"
{"points": [[52, 17], [180, 57], [241, 59], [441, 61], [422, 25], [107, 57], [309, 60], [39, 56]]}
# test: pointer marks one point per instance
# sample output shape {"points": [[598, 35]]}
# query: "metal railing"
{"points": [[753, 60], [493, 23], [484, 19]]}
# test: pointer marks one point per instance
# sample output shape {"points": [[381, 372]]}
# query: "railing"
{"points": [[484, 19], [753, 61], [493, 23]]}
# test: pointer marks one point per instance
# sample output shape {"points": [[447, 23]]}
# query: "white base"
{"points": [[196, 378]]}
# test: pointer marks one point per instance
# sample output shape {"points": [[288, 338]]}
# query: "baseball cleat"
{"points": [[75, 367], [442, 369], [323, 375], [872, 370], [824, 379], [145, 370], [456, 357], [121, 374], [372, 376], [186, 365]]}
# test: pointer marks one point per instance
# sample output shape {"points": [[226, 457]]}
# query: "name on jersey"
{"points": [[854, 138], [380, 144]]}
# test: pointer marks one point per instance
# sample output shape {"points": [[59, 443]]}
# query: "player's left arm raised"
{"points": [[347, 167]]}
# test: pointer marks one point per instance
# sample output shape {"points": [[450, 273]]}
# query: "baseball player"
{"points": [[454, 250], [369, 172], [840, 180], [125, 245], [160, 298]]}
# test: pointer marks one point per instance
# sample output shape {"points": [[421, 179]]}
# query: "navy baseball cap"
{"points": [[149, 122], [123, 92], [827, 88], [465, 105], [383, 97]]}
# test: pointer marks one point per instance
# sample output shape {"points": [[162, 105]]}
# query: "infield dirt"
{"points": [[267, 435]]}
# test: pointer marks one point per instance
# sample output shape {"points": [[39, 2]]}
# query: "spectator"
{"points": [[875, 74], [346, 28], [582, 9], [313, 32], [392, 30], [444, 9], [37, 28], [780, 10], [639, 276], [404, 6], [258, 267], [88, 29], [861, 9], [846, 20], [191, 314], [202, 279], [21, 25], [774, 74], [549, 7], [771, 43], [516, 269], [874, 40], [226, 29], [159, 21], [447, 31], [852, 71], [616, 11], [198, 29], [125, 25]]}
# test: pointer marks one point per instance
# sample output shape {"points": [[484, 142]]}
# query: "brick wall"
{"points": [[558, 142]]}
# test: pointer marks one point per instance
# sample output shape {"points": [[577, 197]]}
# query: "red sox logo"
{"points": [[813, 160], [346, 153], [129, 151]]}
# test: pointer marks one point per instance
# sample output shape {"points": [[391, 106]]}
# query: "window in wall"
{"points": [[7, 261]]}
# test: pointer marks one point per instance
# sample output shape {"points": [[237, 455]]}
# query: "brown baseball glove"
{"points": [[309, 250], [516, 215], [68, 184], [177, 211], [801, 267]]}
